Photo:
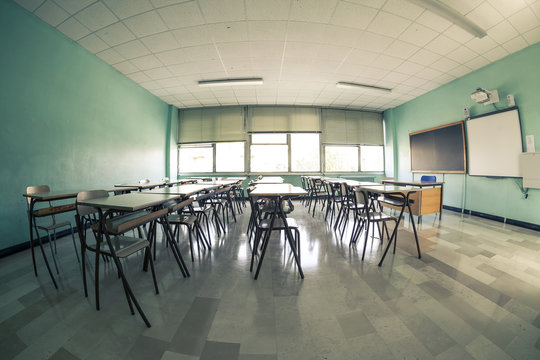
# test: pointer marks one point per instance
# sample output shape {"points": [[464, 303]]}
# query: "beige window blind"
{"points": [[283, 119], [352, 127], [211, 125]]}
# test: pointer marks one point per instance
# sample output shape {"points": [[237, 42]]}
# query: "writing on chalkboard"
{"points": [[439, 150]]}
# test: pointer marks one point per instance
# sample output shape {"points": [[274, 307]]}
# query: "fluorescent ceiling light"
{"points": [[231, 82], [350, 85], [451, 15]]}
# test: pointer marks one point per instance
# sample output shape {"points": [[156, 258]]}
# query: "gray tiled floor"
{"points": [[475, 294]]}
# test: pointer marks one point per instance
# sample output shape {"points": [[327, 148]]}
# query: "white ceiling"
{"points": [[300, 47]]}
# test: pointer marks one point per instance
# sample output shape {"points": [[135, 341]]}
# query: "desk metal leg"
{"points": [[394, 233], [266, 240], [290, 239], [32, 221]]}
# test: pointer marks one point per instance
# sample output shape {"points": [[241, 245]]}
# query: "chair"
{"points": [[116, 247], [261, 210], [316, 193], [191, 222], [428, 178], [367, 215], [53, 226]]}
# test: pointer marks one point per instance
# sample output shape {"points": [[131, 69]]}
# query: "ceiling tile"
{"points": [[182, 15], [459, 71], [308, 32], [333, 52], [29, 5], [227, 32], [360, 57], [161, 42], [442, 45], [146, 62], [386, 62], [301, 50], [51, 13], [199, 53], [93, 43], [495, 54], [145, 24], [233, 50], [339, 35], [373, 42], [158, 73], [267, 49], [116, 34], [73, 29], [485, 16], [172, 57], [96, 16], [352, 15], [462, 54], [456, 33], [267, 10], [401, 49], [132, 49], [462, 6], [388, 24], [535, 7], [533, 36], [403, 8], [126, 67], [396, 77], [195, 35], [110, 56], [409, 68], [313, 11], [506, 7], [266, 30], [515, 44], [444, 65], [418, 34], [73, 6], [433, 21], [215, 11], [524, 20], [124, 9], [424, 57], [481, 45], [502, 32], [477, 62]]}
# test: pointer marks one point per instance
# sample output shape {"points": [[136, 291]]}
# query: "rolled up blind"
{"points": [[283, 119], [352, 127], [211, 125]]}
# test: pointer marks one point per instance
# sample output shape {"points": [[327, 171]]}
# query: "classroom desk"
{"points": [[402, 192], [279, 192], [48, 211], [269, 180], [427, 201], [130, 203], [184, 190]]}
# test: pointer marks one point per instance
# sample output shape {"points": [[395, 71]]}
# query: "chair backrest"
{"points": [[37, 189], [428, 178], [83, 210]]}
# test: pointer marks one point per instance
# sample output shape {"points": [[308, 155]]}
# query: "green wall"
{"points": [[69, 120], [517, 74]]}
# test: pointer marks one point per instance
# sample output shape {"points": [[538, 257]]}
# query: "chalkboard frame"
{"points": [[457, 150]]}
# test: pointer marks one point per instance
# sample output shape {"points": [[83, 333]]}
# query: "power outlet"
{"points": [[511, 101]]}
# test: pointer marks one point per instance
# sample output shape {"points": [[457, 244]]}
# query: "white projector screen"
{"points": [[494, 143]]}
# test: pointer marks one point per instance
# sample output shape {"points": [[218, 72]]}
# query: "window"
{"points": [[200, 158], [371, 158], [341, 158], [267, 155], [305, 152], [230, 157], [195, 159]]}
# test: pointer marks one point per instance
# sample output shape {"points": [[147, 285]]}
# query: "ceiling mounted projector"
{"points": [[486, 97]]}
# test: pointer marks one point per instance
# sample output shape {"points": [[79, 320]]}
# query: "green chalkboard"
{"points": [[439, 150]]}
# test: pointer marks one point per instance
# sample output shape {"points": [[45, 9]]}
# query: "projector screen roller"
{"points": [[494, 143]]}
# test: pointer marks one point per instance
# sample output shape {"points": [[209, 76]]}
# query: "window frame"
{"points": [[360, 170], [214, 157]]}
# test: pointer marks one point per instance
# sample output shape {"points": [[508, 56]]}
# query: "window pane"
{"points": [[195, 159], [305, 152], [269, 158], [230, 157], [371, 158], [341, 158], [269, 138]]}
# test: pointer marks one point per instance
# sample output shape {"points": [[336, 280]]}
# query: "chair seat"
{"points": [[278, 224], [390, 200], [377, 216], [123, 246], [54, 226], [182, 219]]}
